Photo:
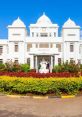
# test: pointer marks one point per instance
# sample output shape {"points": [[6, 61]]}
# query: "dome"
{"points": [[44, 20], [69, 23], [18, 23]]}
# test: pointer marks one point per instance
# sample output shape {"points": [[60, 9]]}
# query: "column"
{"points": [[51, 66], [54, 60], [36, 64], [32, 62]]}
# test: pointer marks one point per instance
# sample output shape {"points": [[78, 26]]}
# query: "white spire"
{"points": [[18, 23], [69, 23], [44, 19]]}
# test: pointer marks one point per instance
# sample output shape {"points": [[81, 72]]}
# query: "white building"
{"points": [[42, 42]]}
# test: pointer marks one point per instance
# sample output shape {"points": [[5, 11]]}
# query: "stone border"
{"points": [[41, 97], [68, 96]]}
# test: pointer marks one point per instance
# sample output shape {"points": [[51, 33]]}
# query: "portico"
{"points": [[40, 54], [48, 58]]}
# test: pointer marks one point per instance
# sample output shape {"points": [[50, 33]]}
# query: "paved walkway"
{"points": [[27, 107]]}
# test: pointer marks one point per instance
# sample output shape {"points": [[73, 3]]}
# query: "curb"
{"points": [[33, 97], [68, 96], [17, 96], [40, 97], [13, 96]]}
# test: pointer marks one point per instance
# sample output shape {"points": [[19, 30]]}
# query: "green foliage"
{"points": [[67, 67], [9, 66], [2, 67], [16, 67], [41, 86], [25, 67], [81, 67]]}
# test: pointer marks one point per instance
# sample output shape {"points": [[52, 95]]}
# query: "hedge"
{"points": [[40, 86], [39, 75]]}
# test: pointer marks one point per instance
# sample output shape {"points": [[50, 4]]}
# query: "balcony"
{"points": [[43, 51]]}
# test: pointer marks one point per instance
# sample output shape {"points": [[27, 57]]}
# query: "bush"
{"points": [[9, 66], [67, 67], [25, 68], [81, 67], [16, 67], [40, 86], [2, 67]]}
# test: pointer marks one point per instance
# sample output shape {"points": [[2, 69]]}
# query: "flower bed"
{"points": [[40, 86], [38, 75]]}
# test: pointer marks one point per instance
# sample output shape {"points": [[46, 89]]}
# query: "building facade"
{"points": [[41, 43]]}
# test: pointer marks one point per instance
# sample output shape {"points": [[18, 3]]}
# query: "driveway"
{"points": [[28, 107]]}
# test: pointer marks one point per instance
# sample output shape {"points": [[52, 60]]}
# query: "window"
{"points": [[71, 47], [1, 50], [71, 35], [59, 60], [16, 47], [59, 47], [43, 29], [32, 34], [16, 61], [71, 60], [1, 60], [54, 34], [43, 45], [28, 61], [7, 49], [29, 45], [51, 45], [50, 35], [16, 34], [36, 45], [79, 61], [37, 34], [44, 35], [80, 49]]}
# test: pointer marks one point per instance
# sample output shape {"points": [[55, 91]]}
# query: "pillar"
{"points": [[56, 60], [51, 66], [36, 64], [32, 62]]}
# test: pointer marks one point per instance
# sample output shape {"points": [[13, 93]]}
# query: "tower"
{"points": [[71, 37], [16, 36]]}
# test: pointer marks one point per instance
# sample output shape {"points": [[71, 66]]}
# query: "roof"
{"points": [[44, 20], [69, 23], [18, 23]]}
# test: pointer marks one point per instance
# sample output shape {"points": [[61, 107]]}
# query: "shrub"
{"points": [[40, 86], [16, 67], [2, 67], [81, 67], [57, 68], [25, 68], [67, 67], [9, 65]]}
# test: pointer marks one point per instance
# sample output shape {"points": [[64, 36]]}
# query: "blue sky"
{"points": [[30, 10]]}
